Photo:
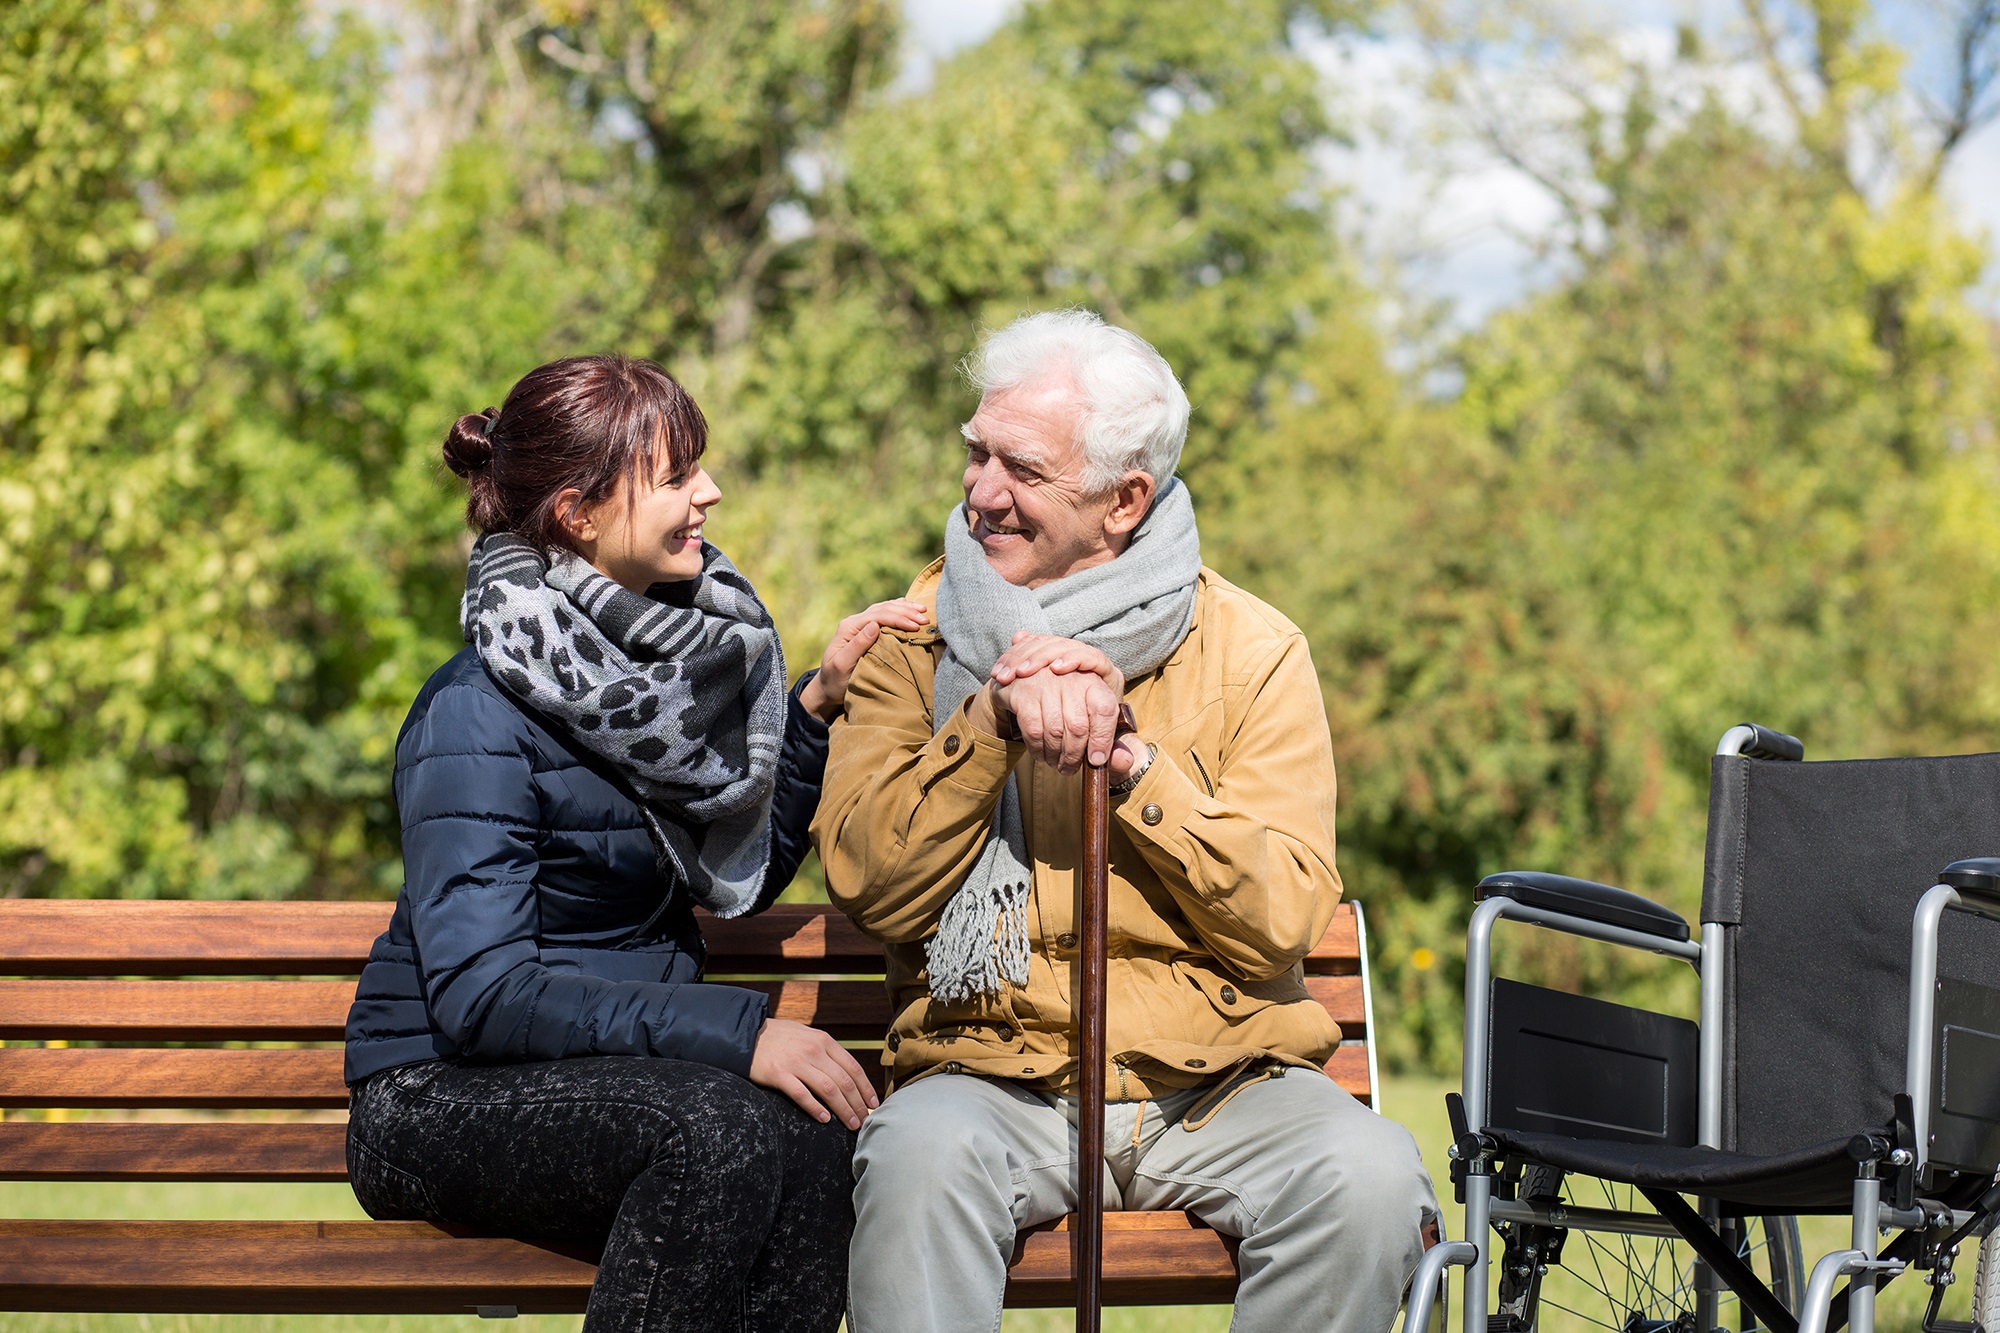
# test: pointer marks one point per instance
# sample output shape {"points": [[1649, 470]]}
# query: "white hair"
{"points": [[1135, 414]]}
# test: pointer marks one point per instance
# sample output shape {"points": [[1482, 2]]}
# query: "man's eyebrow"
{"points": [[1025, 458]]}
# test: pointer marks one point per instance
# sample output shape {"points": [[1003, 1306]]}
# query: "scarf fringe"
{"points": [[982, 940], [1137, 609]]}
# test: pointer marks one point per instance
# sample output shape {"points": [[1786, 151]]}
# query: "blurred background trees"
{"points": [[1736, 461]]}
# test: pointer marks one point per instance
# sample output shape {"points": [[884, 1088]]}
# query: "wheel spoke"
{"points": [[1578, 1314], [1628, 1283]]}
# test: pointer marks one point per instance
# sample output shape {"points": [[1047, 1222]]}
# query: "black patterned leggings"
{"points": [[720, 1205]]}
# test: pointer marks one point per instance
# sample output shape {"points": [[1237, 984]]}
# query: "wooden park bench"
{"points": [[174, 1015]]}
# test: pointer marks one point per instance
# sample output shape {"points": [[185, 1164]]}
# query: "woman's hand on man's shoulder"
{"points": [[826, 692]]}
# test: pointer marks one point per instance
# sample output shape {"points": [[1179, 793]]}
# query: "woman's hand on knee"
{"points": [[825, 693], [813, 1070]]}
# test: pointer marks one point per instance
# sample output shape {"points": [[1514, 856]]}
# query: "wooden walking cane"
{"points": [[1093, 907]]}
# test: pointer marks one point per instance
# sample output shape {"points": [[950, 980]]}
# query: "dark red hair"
{"points": [[582, 423]]}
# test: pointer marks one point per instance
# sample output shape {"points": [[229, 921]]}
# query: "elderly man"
{"points": [[951, 827]]}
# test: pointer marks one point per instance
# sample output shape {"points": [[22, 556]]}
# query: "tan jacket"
{"points": [[1222, 874]]}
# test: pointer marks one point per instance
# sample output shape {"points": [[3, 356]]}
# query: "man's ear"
{"points": [[575, 517], [1131, 497]]}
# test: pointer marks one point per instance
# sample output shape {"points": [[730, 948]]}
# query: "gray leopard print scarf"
{"points": [[681, 691]]}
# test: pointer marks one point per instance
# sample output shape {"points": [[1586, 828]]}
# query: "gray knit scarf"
{"points": [[1136, 609], [681, 692]]}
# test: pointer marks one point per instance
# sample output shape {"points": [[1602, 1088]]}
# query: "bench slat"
{"points": [[67, 937], [1349, 1068], [206, 1272], [787, 938], [208, 1150], [1338, 952], [71, 937], [410, 1267], [146, 1078], [279, 1078], [1166, 1260], [72, 1009]]}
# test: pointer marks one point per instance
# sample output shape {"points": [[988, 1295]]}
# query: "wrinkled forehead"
{"points": [[1035, 422]]}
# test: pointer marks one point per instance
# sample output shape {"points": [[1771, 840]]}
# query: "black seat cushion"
{"points": [[1815, 1179]]}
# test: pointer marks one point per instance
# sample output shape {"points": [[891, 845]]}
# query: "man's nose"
{"points": [[988, 488]]}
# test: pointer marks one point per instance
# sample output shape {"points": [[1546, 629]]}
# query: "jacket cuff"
{"points": [[800, 718], [967, 757], [714, 1025], [1160, 806]]}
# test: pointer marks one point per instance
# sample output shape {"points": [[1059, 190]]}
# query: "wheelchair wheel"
{"points": [[1986, 1286], [1614, 1264]]}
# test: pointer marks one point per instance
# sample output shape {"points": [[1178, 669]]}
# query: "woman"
{"points": [[529, 1051]]}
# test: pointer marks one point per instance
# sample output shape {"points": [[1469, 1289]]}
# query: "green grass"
{"points": [[1417, 1102]]}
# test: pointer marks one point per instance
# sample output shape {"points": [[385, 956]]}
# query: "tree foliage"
{"points": [[256, 255], [1724, 471]]}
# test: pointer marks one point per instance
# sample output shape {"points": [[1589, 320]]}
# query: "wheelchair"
{"points": [[1641, 1172]]}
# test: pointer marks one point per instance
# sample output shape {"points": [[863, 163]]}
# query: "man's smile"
{"points": [[983, 528]]}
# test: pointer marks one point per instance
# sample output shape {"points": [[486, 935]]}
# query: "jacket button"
{"points": [[1065, 941], [1004, 1033], [951, 1066], [1151, 814], [895, 1040], [1197, 1064], [951, 745], [1229, 995]]}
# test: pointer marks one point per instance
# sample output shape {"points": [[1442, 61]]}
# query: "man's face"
{"points": [[1024, 495]]}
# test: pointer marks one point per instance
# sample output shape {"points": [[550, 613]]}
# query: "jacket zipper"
{"points": [[1204, 772]]}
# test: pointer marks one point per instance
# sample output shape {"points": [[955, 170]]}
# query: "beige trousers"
{"points": [[1328, 1198]]}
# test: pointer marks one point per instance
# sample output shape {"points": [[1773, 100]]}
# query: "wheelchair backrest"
{"points": [[1815, 870]]}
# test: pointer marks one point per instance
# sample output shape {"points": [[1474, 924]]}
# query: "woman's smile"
{"points": [[651, 532]]}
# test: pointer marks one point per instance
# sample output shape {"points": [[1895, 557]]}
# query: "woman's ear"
{"points": [[1131, 497], [576, 518]]}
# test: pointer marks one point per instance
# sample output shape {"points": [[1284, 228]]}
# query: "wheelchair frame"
{"points": [[1862, 1262]]}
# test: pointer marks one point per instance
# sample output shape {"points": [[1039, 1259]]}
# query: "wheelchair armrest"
{"points": [[1585, 898], [1977, 875]]}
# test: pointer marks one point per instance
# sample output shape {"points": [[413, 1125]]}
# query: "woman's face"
{"points": [[649, 529]]}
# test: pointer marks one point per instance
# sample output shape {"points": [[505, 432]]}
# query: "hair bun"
{"points": [[468, 448]]}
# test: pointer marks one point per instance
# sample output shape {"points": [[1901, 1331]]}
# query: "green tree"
{"points": [[1737, 463], [234, 452], [1721, 471], [180, 189]]}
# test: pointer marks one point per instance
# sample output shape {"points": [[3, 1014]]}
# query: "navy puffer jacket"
{"points": [[522, 931]]}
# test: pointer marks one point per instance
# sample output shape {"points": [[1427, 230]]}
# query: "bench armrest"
{"points": [[1587, 899]]}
